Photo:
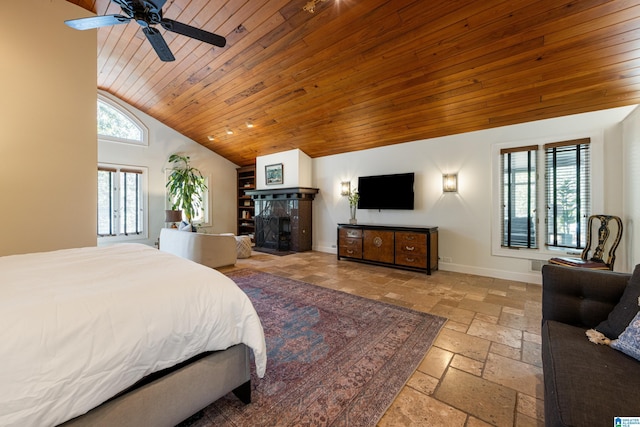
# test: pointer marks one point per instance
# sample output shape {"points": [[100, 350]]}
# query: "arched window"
{"points": [[118, 125]]}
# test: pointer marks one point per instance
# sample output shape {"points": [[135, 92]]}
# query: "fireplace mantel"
{"points": [[299, 193]]}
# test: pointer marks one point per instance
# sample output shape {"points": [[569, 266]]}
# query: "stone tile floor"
{"points": [[484, 368]]}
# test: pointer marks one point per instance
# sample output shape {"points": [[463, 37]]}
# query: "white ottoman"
{"points": [[243, 246]]}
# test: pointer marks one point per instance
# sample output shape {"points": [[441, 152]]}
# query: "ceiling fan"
{"points": [[148, 13]]}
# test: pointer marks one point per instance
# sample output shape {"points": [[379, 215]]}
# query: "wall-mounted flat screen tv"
{"points": [[386, 191]]}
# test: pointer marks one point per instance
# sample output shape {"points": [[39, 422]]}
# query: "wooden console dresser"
{"points": [[410, 248]]}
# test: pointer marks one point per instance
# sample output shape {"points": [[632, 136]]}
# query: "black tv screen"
{"points": [[386, 191]]}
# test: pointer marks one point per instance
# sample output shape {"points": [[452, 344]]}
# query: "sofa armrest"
{"points": [[212, 250], [580, 297]]}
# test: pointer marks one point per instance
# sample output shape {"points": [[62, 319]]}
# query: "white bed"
{"points": [[79, 326]]}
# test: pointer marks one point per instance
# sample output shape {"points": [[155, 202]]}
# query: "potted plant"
{"points": [[185, 186], [354, 196]]}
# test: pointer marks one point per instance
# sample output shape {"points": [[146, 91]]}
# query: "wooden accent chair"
{"points": [[604, 244]]}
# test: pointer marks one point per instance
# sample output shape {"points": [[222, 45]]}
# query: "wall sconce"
{"points": [[450, 183], [345, 188]]}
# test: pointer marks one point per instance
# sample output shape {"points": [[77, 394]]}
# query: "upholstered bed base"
{"points": [[176, 396]]}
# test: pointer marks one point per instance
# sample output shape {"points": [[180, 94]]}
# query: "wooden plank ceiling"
{"points": [[359, 74]]}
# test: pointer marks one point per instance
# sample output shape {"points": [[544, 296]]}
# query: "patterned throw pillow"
{"points": [[629, 341]]}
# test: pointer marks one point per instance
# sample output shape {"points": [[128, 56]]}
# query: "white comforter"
{"points": [[78, 326]]}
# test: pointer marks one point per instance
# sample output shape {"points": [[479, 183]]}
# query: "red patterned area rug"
{"points": [[333, 358]]}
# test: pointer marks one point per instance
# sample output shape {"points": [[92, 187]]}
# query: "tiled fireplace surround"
{"points": [[283, 218]]}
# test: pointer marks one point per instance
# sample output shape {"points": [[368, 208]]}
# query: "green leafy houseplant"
{"points": [[185, 186], [354, 196]]}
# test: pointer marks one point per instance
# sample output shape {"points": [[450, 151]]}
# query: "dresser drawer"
{"points": [[411, 239], [411, 244], [411, 260], [351, 248], [411, 249], [350, 233]]}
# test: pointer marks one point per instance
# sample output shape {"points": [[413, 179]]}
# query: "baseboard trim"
{"points": [[534, 277]]}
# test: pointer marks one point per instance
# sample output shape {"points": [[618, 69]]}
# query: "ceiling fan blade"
{"points": [[96, 21], [193, 32], [158, 43]]}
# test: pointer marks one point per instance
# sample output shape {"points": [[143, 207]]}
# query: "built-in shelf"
{"points": [[246, 209]]}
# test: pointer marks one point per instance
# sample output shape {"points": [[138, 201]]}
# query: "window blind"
{"points": [[568, 192], [518, 197]]}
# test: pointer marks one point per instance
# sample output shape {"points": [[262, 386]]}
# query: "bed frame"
{"points": [[172, 398]]}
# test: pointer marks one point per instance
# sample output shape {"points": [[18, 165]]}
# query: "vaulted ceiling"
{"points": [[358, 74]]}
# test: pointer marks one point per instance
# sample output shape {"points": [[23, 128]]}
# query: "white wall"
{"points": [[164, 141], [464, 219], [48, 128], [296, 168], [631, 187]]}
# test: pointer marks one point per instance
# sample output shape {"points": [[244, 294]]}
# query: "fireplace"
{"points": [[283, 218], [273, 232]]}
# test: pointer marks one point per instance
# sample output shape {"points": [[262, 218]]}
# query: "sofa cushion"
{"points": [[580, 297], [625, 310], [586, 384]]}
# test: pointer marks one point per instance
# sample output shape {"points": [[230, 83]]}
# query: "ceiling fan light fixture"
{"points": [[148, 13]]}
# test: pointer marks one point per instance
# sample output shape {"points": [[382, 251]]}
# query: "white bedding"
{"points": [[78, 326]]}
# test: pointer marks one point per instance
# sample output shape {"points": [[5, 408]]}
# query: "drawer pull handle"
{"points": [[352, 234], [410, 237], [410, 259], [349, 251], [410, 248]]}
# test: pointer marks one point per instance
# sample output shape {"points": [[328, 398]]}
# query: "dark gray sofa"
{"points": [[585, 384]]}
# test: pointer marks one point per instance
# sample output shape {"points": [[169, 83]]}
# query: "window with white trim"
{"points": [[121, 201], [568, 193], [518, 196], [118, 125], [564, 194]]}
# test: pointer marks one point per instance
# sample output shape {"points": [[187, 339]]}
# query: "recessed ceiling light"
{"points": [[229, 131], [249, 124], [210, 138]]}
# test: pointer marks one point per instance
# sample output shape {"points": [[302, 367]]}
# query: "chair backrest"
{"points": [[601, 243]]}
